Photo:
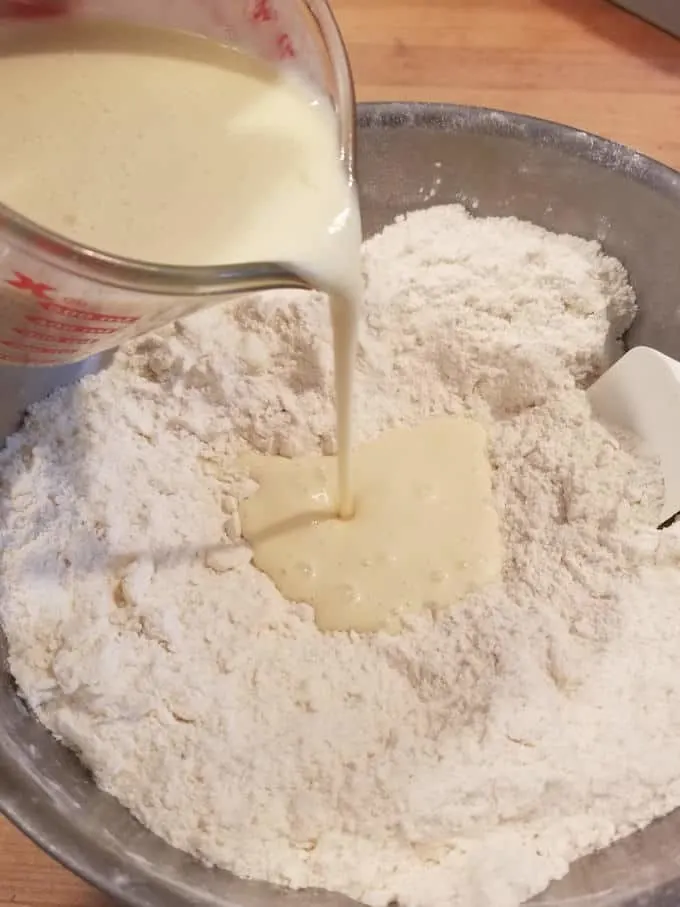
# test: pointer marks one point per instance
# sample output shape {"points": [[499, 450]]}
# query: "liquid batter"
{"points": [[425, 531], [162, 146]]}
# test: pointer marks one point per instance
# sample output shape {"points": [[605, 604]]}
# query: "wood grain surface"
{"points": [[582, 62]]}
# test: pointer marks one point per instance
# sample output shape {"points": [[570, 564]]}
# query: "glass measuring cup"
{"points": [[62, 302]]}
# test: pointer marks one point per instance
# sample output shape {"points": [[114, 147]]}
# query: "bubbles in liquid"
{"points": [[305, 568], [348, 593], [424, 535]]}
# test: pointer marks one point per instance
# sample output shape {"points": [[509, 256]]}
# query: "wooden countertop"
{"points": [[582, 62]]}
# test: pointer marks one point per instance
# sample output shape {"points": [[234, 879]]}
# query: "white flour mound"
{"points": [[465, 762]]}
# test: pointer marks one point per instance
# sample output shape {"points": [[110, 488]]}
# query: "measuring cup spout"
{"points": [[256, 278]]}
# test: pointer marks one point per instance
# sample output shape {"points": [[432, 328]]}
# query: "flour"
{"points": [[466, 761]]}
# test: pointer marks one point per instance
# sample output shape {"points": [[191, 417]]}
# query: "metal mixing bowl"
{"points": [[498, 164]]}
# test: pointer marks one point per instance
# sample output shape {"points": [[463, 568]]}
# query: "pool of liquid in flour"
{"points": [[425, 530]]}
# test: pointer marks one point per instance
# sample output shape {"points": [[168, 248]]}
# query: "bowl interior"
{"points": [[410, 156]]}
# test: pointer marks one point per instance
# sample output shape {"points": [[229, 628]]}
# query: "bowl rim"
{"points": [[478, 120]]}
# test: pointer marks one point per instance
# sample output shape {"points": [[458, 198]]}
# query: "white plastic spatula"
{"points": [[641, 394]]}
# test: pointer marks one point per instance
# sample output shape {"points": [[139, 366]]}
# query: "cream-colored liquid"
{"points": [[425, 531], [166, 147]]}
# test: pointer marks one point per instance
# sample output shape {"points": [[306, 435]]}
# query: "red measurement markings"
{"points": [[285, 47], [23, 282], [41, 293], [262, 11], [58, 308], [76, 328], [33, 9], [49, 351], [52, 338]]}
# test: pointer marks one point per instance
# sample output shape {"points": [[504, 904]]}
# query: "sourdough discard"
{"points": [[464, 762]]}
